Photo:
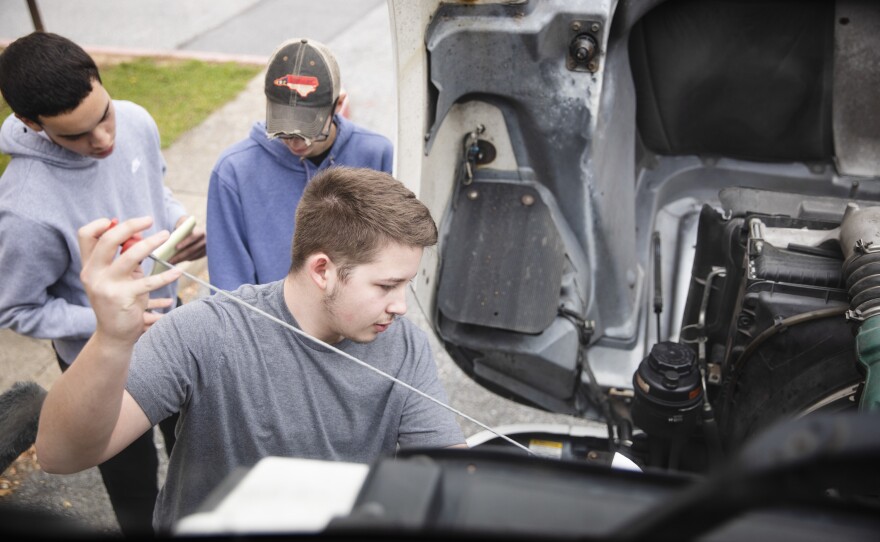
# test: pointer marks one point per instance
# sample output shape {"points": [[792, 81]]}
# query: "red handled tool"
{"points": [[131, 240]]}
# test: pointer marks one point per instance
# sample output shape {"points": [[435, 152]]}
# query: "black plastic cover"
{"points": [[743, 79]]}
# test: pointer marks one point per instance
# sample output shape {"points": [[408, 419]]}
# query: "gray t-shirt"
{"points": [[247, 388]]}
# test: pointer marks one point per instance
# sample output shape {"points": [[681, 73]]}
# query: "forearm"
{"points": [[41, 296], [87, 416], [53, 319], [82, 409]]}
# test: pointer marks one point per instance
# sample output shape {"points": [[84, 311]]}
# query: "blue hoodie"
{"points": [[252, 197], [46, 194]]}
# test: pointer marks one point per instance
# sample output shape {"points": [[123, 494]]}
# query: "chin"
{"points": [[364, 338]]}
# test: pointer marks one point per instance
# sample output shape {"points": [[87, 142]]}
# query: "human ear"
{"points": [[29, 123], [321, 270], [342, 103]]}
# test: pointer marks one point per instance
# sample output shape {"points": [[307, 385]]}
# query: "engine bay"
{"points": [[649, 211]]}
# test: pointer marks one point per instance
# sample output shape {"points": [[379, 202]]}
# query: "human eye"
{"points": [[392, 285]]}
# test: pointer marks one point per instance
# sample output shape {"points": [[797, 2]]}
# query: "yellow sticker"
{"points": [[546, 448]]}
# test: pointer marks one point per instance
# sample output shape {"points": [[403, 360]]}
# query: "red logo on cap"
{"points": [[302, 84]]}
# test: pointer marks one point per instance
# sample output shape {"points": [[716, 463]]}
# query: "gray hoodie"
{"points": [[46, 194]]}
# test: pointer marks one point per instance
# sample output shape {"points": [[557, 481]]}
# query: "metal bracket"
{"points": [[583, 49], [472, 153]]}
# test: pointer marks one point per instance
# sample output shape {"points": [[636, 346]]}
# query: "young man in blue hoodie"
{"points": [[77, 155], [257, 183]]}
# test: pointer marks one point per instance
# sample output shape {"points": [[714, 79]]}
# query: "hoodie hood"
{"points": [[18, 140]]}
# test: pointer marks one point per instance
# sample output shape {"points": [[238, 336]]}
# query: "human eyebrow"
{"points": [[103, 118]]}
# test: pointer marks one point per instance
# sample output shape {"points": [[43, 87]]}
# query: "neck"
{"points": [[306, 306]]}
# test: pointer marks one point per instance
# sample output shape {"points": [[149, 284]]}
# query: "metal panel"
{"points": [[503, 260]]}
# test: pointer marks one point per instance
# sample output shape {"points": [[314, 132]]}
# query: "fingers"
{"points": [[139, 251], [193, 247], [99, 241], [160, 303], [88, 236], [99, 244], [151, 318], [116, 286], [154, 282]]}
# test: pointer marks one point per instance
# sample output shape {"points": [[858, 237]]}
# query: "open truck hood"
{"points": [[568, 149]]}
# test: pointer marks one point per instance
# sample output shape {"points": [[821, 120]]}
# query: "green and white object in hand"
{"points": [[169, 248]]}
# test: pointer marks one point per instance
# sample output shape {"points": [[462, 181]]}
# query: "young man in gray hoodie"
{"points": [[77, 155]]}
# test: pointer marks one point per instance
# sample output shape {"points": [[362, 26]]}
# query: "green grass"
{"points": [[179, 94]]}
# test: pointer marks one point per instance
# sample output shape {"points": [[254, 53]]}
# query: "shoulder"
{"points": [[205, 319], [134, 119], [25, 224], [203, 312], [132, 112], [232, 304], [243, 151], [198, 326], [237, 165], [31, 199]]}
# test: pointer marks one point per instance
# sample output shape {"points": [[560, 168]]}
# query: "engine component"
{"points": [[774, 321], [582, 51], [859, 239], [868, 347], [584, 47], [668, 391]]}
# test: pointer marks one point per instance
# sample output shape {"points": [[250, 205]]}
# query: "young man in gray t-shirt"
{"points": [[245, 386]]}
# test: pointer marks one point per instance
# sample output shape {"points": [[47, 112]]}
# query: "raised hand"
{"points": [[116, 286]]}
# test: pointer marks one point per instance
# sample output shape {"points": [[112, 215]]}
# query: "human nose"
{"points": [[398, 303], [101, 137]]}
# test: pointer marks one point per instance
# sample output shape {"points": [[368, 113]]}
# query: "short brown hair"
{"points": [[352, 213]]}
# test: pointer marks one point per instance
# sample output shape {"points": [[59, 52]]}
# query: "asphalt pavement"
{"points": [[238, 30]]}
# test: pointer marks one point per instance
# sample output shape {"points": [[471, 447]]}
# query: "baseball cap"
{"points": [[302, 86]]}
